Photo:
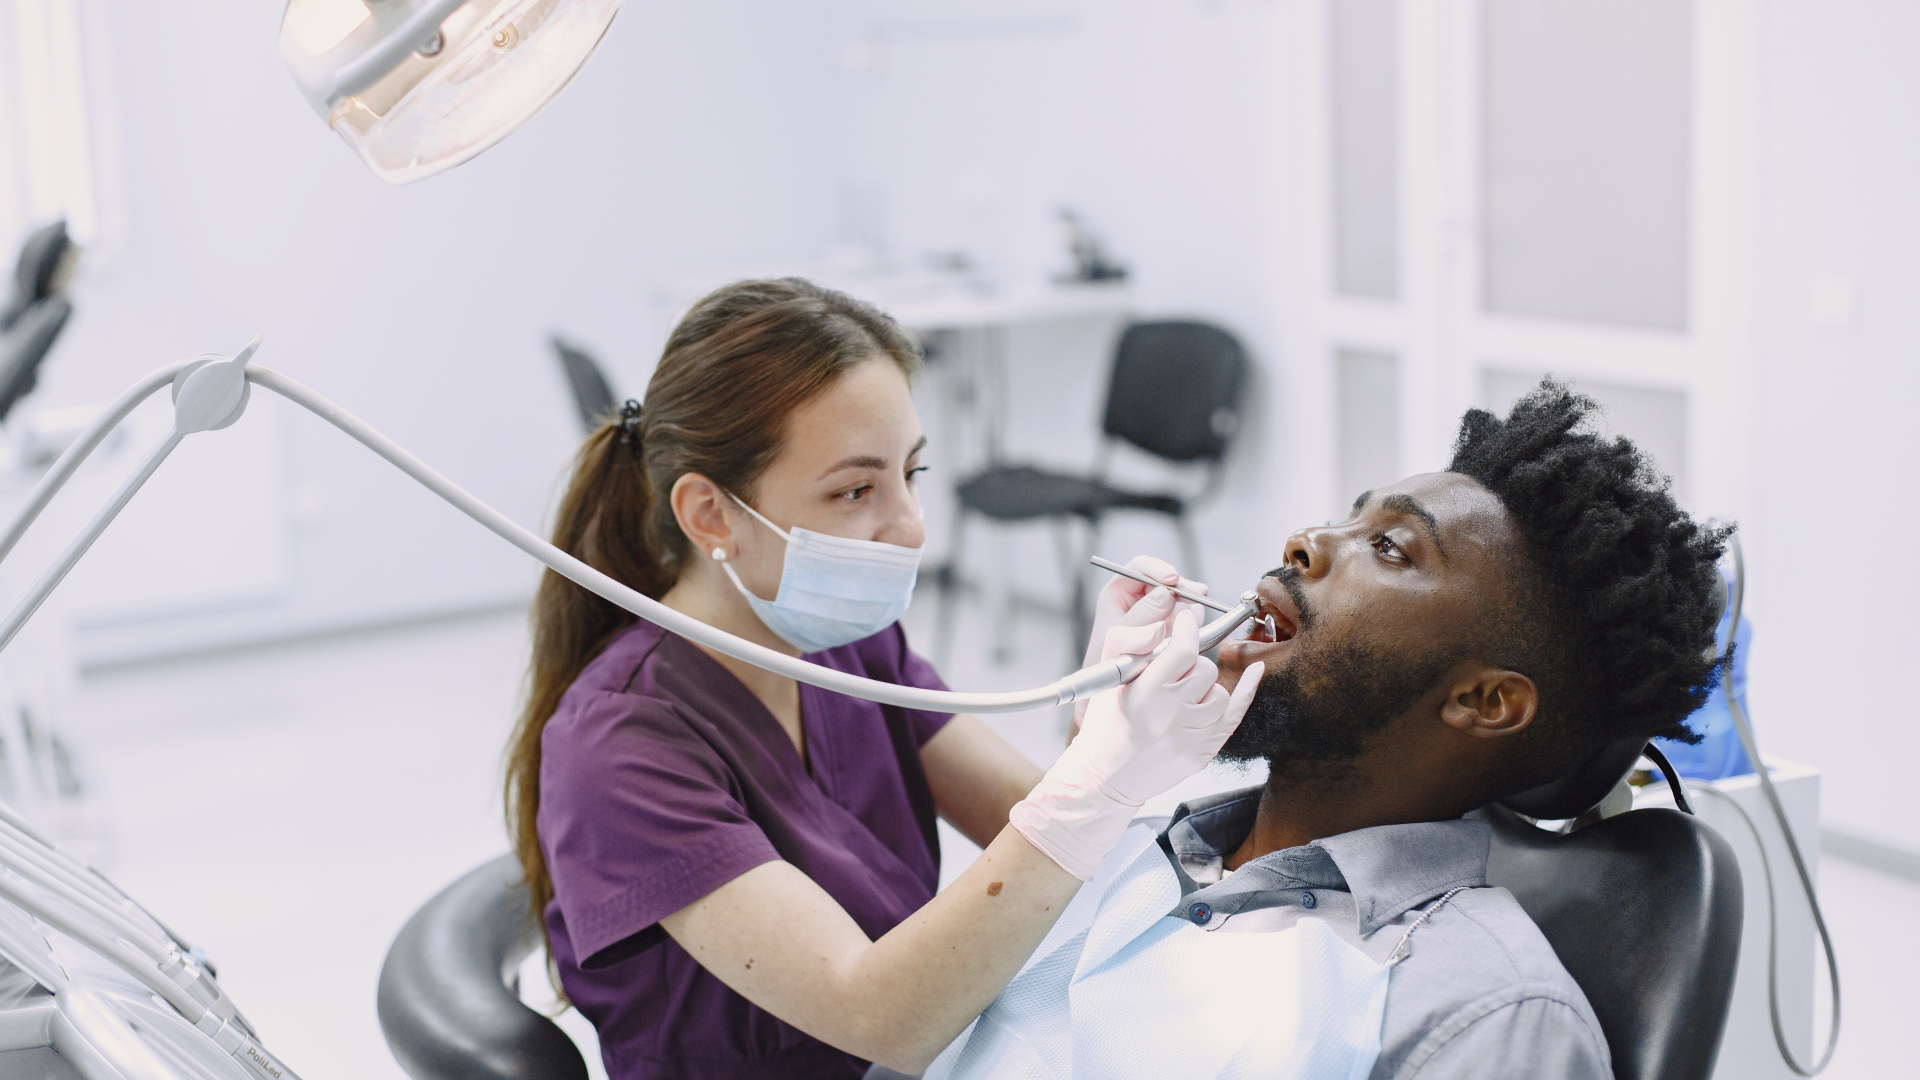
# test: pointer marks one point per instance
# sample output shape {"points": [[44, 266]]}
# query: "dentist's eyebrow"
{"points": [[1410, 506], [867, 461], [858, 461]]}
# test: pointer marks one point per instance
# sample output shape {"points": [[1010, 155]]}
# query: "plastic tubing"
{"points": [[89, 440], [1751, 745], [1083, 683]]}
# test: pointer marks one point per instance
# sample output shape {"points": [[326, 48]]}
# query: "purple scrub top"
{"points": [[663, 778]]}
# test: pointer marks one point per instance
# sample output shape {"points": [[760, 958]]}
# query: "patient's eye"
{"points": [[1384, 545]]}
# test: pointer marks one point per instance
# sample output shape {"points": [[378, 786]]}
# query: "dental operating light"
{"points": [[419, 86]]}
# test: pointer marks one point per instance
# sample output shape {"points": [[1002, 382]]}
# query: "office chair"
{"points": [[593, 396], [36, 312], [1174, 393], [445, 1003]]}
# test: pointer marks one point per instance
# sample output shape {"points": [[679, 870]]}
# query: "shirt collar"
{"points": [[1388, 869]]}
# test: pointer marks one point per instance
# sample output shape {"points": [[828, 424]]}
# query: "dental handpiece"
{"points": [[1108, 674]]}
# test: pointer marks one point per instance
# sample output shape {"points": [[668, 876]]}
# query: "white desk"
{"points": [[965, 321]]}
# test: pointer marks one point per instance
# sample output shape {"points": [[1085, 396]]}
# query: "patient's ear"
{"points": [[1489, 703]]}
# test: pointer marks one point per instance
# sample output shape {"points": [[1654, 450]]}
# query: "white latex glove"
{"points": [[1118, 605], [1138, 741]]}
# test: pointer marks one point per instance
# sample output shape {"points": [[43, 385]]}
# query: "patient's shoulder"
{"points": [[1482, 985]]}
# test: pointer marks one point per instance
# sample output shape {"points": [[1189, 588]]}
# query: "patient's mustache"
{"points": [[1289, 578]]}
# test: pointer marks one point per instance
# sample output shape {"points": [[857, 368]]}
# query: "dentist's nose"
{"points": [[905, 527], [1310, 551]]}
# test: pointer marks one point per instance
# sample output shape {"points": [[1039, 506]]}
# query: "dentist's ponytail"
{"points": [[732, 373]]}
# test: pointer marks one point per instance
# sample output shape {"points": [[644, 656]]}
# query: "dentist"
{"points": [[736, 871]]}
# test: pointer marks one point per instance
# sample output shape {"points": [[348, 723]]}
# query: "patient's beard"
{"points": [[1317, 714]]}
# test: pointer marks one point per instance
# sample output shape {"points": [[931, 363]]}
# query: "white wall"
{"points": [[745, 134], [700, 133], [972, 122], [705, 141], [1832, 591]]}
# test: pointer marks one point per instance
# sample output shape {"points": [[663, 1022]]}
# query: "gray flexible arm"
{"points": [[221, 410], [1080, 684], [1752, 746], [88, 441], [69, 558]]}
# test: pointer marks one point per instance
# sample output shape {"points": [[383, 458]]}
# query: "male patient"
{"points": [[1461, 637]]}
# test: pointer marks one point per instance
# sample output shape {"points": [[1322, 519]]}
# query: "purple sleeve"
{"points": [[911, 669], [639, 817]]}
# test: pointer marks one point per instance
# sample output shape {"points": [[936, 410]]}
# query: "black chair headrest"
{"points": [[1583, 788]]}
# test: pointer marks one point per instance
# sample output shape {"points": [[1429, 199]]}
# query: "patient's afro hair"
{"points": [[1615, 598]]}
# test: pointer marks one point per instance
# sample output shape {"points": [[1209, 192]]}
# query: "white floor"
{"points": [[289, 808]]}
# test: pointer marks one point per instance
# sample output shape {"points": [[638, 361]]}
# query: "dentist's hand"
{"points": [[1167, 724], [1138, 741], [1121, 594], [1126, 602]]}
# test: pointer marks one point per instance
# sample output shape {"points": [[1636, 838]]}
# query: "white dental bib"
{"points": [[1121, 989]]}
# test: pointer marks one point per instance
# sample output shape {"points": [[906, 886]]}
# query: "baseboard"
{"points": [[1883, 857]]}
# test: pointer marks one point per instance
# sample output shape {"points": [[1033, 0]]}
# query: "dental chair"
{"points": [[1643, 907], [448, 999]]}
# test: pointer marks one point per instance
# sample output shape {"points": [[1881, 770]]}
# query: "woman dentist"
{"points": [[737, 871]]}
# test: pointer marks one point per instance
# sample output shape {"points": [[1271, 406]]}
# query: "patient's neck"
{"points": [[1296, 810], [1394, 782]]}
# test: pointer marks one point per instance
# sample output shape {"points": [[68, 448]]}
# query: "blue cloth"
{"points": [[1720, 753]]}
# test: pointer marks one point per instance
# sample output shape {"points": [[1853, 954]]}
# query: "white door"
{"points": [[1472, 193], [1479, 192]]}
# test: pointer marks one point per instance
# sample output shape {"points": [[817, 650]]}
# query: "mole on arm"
{"points": [[994, 889]]}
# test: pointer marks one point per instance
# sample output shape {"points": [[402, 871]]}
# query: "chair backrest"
{"points": [[444, 1003], [1175, 390], [592, 394], [1644, 909]]}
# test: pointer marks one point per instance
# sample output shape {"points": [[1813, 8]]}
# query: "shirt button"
{"points": [[1308, 900], [1199, 913]]}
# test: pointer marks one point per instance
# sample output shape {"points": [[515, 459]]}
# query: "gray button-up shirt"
{"points": [[1480, 994]]}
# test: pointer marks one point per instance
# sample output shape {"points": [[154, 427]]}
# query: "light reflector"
{"points": [[419, 86]]}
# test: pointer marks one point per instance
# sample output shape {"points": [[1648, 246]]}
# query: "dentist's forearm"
{"points": [[899, 1000]]}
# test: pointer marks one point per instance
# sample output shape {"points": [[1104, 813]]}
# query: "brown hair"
{"points": [[733, 371]]}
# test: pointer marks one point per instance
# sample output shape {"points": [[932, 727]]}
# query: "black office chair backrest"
{"points": [[444, 1003], [592, 394], [1176, 390], [1644, 909]]}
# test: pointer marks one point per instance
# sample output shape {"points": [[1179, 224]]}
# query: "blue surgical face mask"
{"points": [[833, 590]]}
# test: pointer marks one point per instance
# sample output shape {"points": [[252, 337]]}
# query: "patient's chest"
{"points": [[1123, 988]]}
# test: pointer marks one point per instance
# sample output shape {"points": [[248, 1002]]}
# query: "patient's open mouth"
{"points": [[1271, 629], [1273, 623]]}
